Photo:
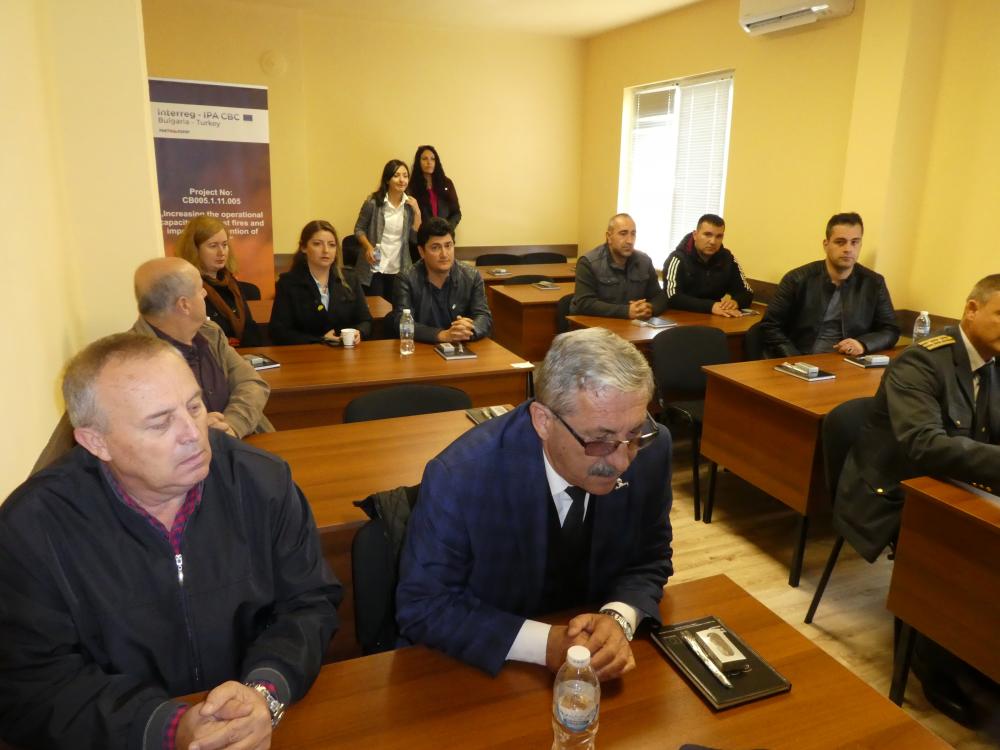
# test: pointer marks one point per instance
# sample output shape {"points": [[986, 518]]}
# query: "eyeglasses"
{"points": [[598, 448]]}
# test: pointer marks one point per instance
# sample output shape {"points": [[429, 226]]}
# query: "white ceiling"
{"points": [[573, 18]]}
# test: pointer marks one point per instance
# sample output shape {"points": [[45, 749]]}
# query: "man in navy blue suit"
{"points": [[561, 504]]}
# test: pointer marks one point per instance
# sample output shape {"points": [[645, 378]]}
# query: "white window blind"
{"points": [[675, 143]]}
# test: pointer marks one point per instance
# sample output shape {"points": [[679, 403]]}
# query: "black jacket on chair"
{"points": [[299, 316], [795, 316], [921, 423]]}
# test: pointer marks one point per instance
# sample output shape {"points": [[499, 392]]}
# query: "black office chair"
{"points": [[248, 290], [405, 401], [678, 356], [562, 310], [839, 430], [544, 258], [525, 278], [499, 259], [351, 249], [375, 553], [753, 343]]}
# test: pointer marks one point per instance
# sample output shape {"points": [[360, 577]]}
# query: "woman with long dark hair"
{"points": [[318, 297], [386, 225], [204, 244], [434, 191]]}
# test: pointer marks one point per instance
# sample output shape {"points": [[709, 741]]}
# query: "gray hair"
{"points": [[985, 288], [616, 217], [591, 359], [160, 297], [84, 369]]}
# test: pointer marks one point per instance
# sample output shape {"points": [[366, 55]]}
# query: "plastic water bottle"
{"points": [[576, 702], [922, 326], [406, 333]]}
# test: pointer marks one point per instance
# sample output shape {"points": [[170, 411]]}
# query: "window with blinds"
{"points": [[675, 144]]}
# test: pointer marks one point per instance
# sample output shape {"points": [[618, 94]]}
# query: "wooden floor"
{"points": [[750, 540]]}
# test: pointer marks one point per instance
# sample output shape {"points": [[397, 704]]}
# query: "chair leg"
{"points": [[901, 659], [710, 502], [825, 578], [800, 549], [696, 473]]}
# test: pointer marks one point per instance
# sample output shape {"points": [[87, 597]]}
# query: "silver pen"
{"points": [[703, 657]]}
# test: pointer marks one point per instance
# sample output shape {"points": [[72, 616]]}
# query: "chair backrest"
{"points": [[499, 259], [405, 401], [544, 258], [375, 553], [753, 343], [839, 431], [248, 290], [679, 354], [525, 278], [351, 249], [562, 310]]}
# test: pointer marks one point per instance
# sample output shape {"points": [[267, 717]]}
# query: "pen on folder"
{"points": [[703, 657]]}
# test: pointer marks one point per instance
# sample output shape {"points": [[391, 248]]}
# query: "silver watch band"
{"points": [[622, 622], [275, 707]]}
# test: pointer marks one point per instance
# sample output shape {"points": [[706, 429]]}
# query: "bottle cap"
{"points": [[406, 310], [578, 656], [924, 312]]}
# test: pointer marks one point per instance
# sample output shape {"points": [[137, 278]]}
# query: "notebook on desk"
{"points": [[454, 351]]}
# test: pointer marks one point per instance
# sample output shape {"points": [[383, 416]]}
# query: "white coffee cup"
{"points": [[349, 336]]}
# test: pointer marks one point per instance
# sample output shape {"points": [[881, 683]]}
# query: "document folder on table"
{"points": [[758, 680]]}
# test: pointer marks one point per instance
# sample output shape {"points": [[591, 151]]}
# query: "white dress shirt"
{"points": [[391, 243], [975, 362], [533, 637]]}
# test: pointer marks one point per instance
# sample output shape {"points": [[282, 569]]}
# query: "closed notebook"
{"points": [[759, 680]]}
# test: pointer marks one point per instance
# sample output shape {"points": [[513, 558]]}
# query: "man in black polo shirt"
{"points": [[834, 304], [447, 299]]}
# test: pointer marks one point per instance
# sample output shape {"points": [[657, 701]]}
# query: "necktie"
{"points": [[982, 420], [572, 528]]}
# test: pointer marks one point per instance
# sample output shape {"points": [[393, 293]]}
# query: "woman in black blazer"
{"points": [[318, 297], [434, 191]]}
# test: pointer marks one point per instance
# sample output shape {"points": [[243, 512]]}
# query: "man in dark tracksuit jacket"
{"points": [[702, 275], [447, 299], [937, 411], [614, 280], [157, 559], [831, 305]]}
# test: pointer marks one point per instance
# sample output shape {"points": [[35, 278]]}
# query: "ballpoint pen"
{"points": [[703, 657]]}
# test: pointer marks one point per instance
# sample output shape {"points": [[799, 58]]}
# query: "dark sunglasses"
{"points": [[598, 448]]}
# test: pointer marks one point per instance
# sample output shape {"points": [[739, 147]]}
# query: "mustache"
{"points": [[602, 470]]}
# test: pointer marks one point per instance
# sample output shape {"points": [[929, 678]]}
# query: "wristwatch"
{"points": [[620, 619], [274, 706]]}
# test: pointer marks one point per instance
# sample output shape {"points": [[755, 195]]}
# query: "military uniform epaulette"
{"points": [[936, 342]]}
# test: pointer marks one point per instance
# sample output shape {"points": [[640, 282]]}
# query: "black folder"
{"points": [[758, 681]]}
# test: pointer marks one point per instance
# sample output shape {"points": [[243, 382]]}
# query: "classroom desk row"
{"points": [[421, 699]]}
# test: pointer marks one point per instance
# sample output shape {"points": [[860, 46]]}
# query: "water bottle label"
{"points": [[576, 705]]}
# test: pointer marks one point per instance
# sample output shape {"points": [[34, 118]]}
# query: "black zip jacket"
{"points": [[299, 316], [97, 633], [795, 315], [693, 284]]}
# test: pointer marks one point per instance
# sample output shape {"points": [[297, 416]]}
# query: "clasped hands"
{"points": [[610, 651], [461, 329], [232, 716], [727, 308]]}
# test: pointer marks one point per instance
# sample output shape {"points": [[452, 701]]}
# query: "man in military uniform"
{"points": [[936, 412]]}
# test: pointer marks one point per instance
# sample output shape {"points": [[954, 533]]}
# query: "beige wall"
{"points": [[346, 96], [78, 206]]}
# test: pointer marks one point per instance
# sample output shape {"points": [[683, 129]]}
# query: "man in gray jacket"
{"points": [[615, 280], [447, 300]]}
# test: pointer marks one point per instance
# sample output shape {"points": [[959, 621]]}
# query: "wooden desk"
{"points": [[338, 464], [524, 317], [945, 578], [555, 271], [764, 426], [423, 700], [315, 382], [261, 308], [642, 336]]}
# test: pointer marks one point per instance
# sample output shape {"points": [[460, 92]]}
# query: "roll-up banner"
{"points": [[213, 157]]}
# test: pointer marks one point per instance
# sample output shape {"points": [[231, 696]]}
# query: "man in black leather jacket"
{"points": [[832, 305]]}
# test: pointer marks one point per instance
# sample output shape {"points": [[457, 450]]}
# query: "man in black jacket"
{"points": [[447, 299], [702, 275], [158, 558], [832, 305], [937, 411]]}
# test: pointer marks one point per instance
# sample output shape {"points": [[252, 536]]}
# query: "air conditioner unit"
{"points": [[764, 16]]}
